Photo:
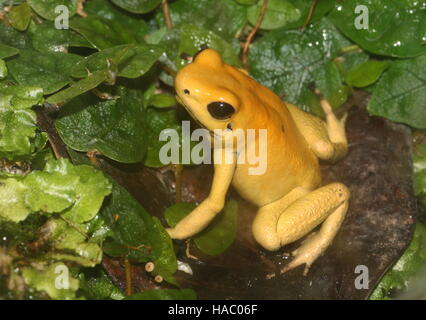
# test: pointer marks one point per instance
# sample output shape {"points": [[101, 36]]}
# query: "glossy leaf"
{"points": [[12, 204], [18, 122], [400, 93], [6, 51], [278, 14], [116, 128], [386, 27], [289, 61], [51, 9], [49, 70], [225, 18], [137, 235], [44, 280], [132, 61]]}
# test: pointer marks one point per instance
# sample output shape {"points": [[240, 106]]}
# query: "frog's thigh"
{"points": [[328, 204], [327, 140]]}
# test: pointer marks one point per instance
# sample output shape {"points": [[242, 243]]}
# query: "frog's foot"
{"points": [[307, 253], [317, 242]]}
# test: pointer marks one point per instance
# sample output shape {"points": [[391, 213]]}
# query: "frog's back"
{"points": [[290, 163]]}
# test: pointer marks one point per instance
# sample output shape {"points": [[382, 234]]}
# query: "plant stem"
{"points": [[252, 33], [166, 12]]}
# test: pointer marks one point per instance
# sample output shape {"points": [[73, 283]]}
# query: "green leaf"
{"points": [[17, 122], [289, 61], [137, 235], [116, 128], [69, 241], [162, 100], [304, 6], [366, 74], [6, 51], [96, 284], [12, 204], [50, 9], [419, 164], [12, 38], [49, 70], [132, 61], [45, 37], [3, 69], [91, 190], [278, 14], [164, 294], [158, 120], [108, 11], [46, 279], [50, 191], [79, 87], [400, 93], [102, 33], [218, 236], [137, 6], [395, 28], [405, 268], [192, 38], [225, 18], [20, 16], [177, 212]]}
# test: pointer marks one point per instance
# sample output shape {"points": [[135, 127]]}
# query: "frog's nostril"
{"points": [[186, 91]]}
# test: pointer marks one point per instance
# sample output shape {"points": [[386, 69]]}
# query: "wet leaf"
{"points": [[137, 235], [193, 38], [17, 121], [289, 61], [157, 121], [392, 28], [97, 285], [164, 294], [226, 18], [12, 204], [51, 9], [278, 14], [116, 128], [177, 212], [20, 16], [48, 70], [12, 38], [137, 6], [45, 37], [400, 93], [132, 61], [45, 280]]}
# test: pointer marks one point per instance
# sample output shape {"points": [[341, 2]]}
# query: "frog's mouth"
{"points": [[181, 102]]}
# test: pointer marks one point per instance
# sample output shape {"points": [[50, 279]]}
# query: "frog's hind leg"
{"points": [[326, 139], [298, 213]]}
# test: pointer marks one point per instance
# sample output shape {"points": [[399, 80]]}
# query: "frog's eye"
{"points": [[220, 110]]}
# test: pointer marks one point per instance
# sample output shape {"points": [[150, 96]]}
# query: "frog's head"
{"points": [[210, 90]]}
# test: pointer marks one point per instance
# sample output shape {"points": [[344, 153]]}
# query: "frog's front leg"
{"points": [[298, 213], [203, 214]]}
